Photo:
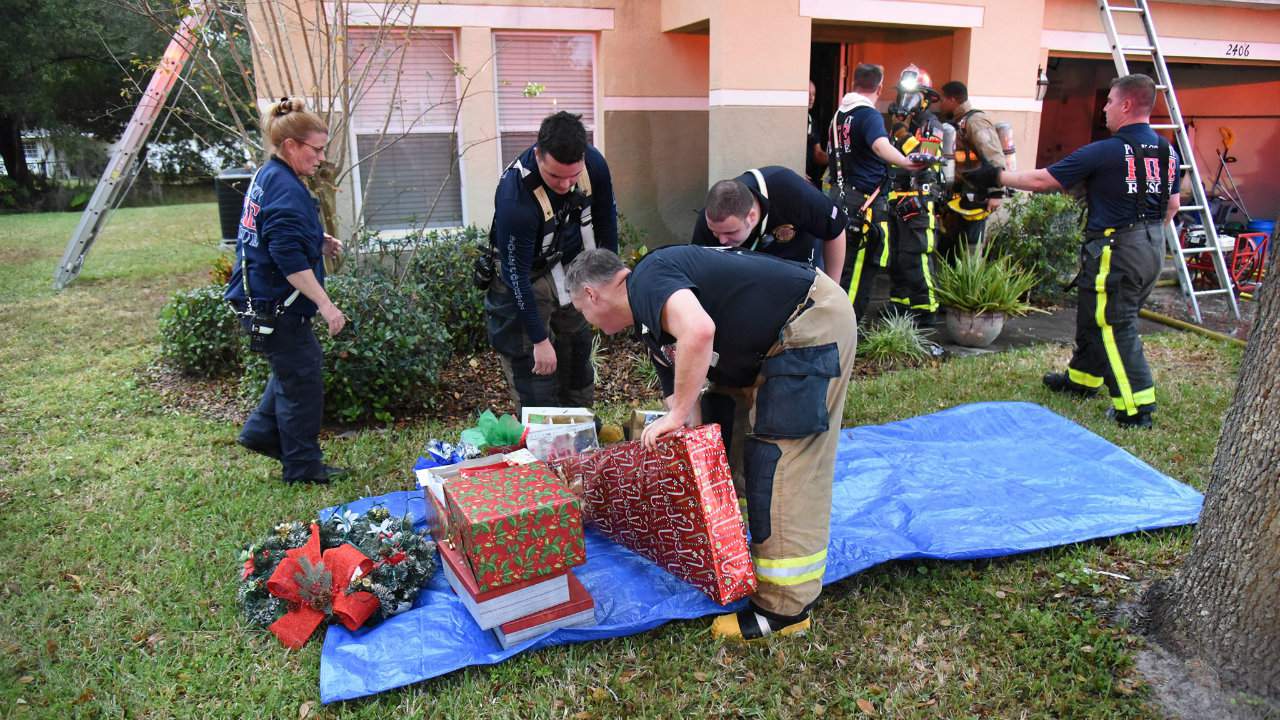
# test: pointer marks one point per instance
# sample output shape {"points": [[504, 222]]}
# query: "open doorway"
{"points": [[1218, 101], [824, 73]]}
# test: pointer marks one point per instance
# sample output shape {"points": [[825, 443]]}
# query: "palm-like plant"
{"points": [[978, 283]]}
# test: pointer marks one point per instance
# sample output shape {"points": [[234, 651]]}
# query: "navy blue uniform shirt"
{"points": [[1109, 170], [518, 227], [793, 201], [280, 234], [748, 295], [855, 132]]}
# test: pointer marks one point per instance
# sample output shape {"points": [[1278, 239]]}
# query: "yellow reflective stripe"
{"points": [[895, 194], [924, 261], [909, 144], [820, 556], [884, 243], [795, 579], [742, 502], [857, 274], [1145, 397], [1084, 378], [1109, 336], [900, 301], [791, 571]]}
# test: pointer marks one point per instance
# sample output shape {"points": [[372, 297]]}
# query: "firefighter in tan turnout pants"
{"points": [[779, 364], [977, 144]]}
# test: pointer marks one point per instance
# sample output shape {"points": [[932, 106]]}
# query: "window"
{"points": [[403, 101], [564, 67]]}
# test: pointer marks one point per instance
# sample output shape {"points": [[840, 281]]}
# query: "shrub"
{"points": [[1042, 233], [199, 333], [631, 241], [895, 341], [387, 359], [442, 263], [220, 271], [978, 283]]}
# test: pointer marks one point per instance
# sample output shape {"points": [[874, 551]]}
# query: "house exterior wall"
{"points": [[690, 91]]}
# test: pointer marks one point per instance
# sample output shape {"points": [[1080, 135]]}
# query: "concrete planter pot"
{"points": [[972, 329]]}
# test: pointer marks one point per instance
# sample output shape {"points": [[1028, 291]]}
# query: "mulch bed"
{"points": [[468, 385], [472, 383]]}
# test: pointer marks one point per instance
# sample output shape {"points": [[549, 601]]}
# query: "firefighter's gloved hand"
{"points": [[983, 178]]}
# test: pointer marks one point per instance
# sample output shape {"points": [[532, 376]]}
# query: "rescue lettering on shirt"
{"points": [[1152, 172], [248, 233]]}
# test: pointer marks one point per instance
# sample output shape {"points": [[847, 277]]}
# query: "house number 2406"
{"points": [[1237, 49]]}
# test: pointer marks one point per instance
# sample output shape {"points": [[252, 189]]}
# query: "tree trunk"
{"points": [[15, 158], [1222, 607]]}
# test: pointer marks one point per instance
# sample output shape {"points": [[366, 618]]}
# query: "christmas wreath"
{"points": [[350, 568]]}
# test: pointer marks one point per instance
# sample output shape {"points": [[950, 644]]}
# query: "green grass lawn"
{"points": [[121, 522]]}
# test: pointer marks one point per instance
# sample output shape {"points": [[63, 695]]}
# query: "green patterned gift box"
{"points": [[514, 524]]}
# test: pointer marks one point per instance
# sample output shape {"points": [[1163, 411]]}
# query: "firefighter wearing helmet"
{"points": [[913, 194], [977, 144]]}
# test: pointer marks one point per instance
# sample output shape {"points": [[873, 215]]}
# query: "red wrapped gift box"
{"points": [[674, 504], [515, 523]]}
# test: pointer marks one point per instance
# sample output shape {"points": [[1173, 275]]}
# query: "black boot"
{"points": [[1140, 420], [324, 476], [1062, 383]]}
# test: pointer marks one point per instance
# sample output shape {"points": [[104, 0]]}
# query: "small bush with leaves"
{"points": [[631, 241], [1042, 233], [979, 283], [199, 333], [387, 359], [442, 265], [895, 341], [220, 271]]}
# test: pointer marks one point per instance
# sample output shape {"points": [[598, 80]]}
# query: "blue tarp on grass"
{"points": [[975, 481]]}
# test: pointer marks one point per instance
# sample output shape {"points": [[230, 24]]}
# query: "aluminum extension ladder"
{"points": [[124, 161], [1164, 86]]}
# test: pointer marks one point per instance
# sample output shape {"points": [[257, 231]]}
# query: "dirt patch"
{"points": [[1187, 690], [1215, 311]]}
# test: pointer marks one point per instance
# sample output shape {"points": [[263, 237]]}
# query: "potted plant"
{"points": [[979, 292]]}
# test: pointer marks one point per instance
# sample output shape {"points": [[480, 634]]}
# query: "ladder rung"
{"points": [[1161, 88], [1166, 126], [1190, 208], [1184, 166], [1217, 291], [1197, 250], [1139, 49], [1134, 10]]}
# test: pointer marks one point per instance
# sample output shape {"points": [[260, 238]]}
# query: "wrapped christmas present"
{"points": [[534, 416], [577, 611], [514, 523], [554, 442], [432, 479], [675, 505], [505, 604]]}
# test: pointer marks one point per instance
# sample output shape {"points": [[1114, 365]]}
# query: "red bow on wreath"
{"points": [[314, 584]]}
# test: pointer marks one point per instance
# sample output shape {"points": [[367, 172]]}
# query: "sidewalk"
{"points": [[1059, 326]]}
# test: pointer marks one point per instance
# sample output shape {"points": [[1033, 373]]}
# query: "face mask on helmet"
{"points": [[915, 91], [907, 103]]}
